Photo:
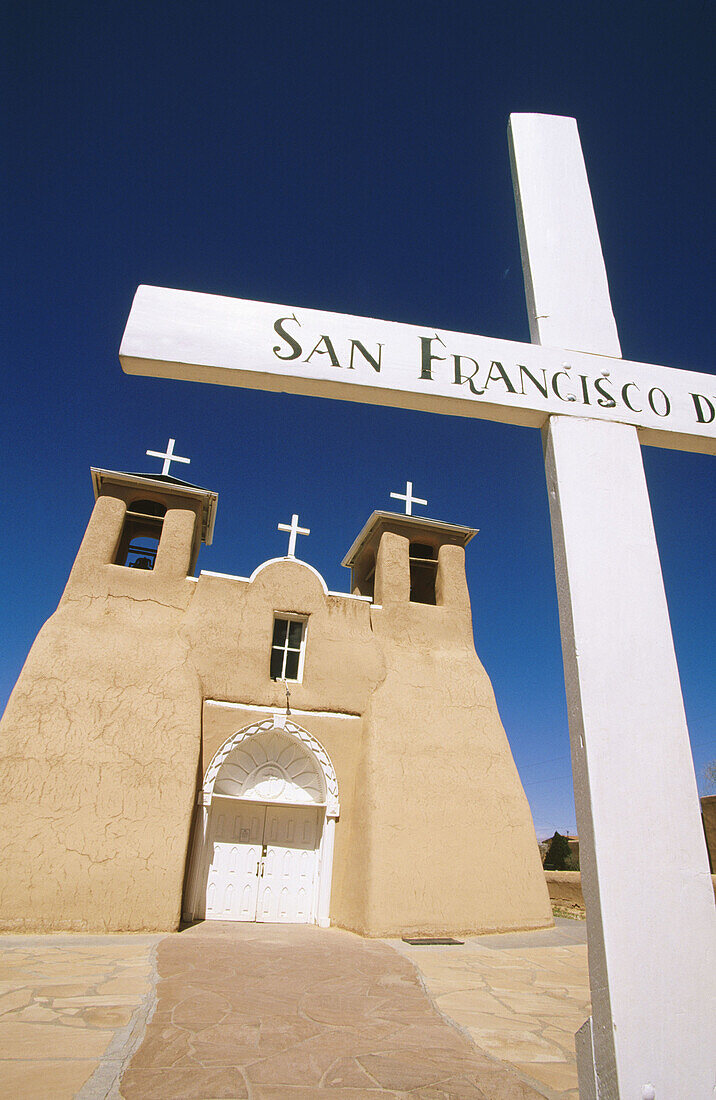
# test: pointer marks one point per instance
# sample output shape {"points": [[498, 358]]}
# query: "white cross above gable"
{"points": [[650, 915], [293, 530]]}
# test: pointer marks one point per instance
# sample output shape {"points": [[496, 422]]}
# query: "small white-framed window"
{"points": [[288, 647]]}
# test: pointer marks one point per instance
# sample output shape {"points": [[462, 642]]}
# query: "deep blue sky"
{"points": [[348, 157]]}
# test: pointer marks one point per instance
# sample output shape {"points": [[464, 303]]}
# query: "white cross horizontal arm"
{"points": [[645, 875], [230, 341]]}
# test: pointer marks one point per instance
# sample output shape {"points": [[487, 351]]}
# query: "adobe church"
{"points": [[262, 749]]}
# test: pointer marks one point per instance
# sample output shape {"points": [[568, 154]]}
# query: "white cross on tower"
{"points": [[650, 915], [168, 456], [409, 499], [293, 530]]}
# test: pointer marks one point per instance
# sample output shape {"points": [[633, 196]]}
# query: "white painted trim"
{"points": [[310, 742], [223, 576], [277, 710], [194, 904], [234, 577], [409, 524], [279, 802], [296, 561], [325, 873]]}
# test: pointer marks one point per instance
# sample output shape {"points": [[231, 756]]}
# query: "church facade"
{"points": [[260, 748]]}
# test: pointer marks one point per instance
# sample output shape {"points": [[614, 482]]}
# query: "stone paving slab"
{"points": [[277, 1012], [521, 996], [68, 1007]]}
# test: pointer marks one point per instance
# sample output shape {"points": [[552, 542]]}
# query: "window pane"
{"points": [[291, 665], [295, 633], [276, 663], [280, 627]]}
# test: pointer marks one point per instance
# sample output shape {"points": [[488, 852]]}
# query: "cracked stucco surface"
{"points": [[103, 743]]}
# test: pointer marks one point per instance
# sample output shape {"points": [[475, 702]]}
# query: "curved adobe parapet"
{"points": [[296, 561]]}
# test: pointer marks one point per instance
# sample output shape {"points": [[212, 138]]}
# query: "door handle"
{"points": [[263, 867], [257, 870]]}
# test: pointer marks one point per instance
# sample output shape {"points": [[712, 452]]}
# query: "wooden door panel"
{"points": [[234, 851], [286, 889]]}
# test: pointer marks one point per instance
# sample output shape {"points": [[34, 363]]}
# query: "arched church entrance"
{"points": [[263, 840]]}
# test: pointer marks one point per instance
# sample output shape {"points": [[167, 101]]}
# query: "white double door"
{"points": [[263, 861]]}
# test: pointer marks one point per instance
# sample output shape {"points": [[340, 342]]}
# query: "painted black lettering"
{"points": [[278, 327], [625, 396], [375, 363], [327, 350], [699, 402], [500, 376], [667, 403], [585, 389], [426, 356], [606, 400], [555, 386], [459, 378], [541, 386]]}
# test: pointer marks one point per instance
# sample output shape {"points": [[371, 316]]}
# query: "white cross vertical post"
{"points": [[409, 499], [650, 906], [168, 456], [293, 530]]}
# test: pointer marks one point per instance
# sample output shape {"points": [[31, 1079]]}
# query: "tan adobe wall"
{"points": [[114, 719], [229, 627], [465, 858], [100, 749], [565, 888]]}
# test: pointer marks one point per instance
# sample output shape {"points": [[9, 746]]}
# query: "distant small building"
{"points": [[259, 748]]}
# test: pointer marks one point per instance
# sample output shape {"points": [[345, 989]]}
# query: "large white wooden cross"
{"points": [[650, 915]]}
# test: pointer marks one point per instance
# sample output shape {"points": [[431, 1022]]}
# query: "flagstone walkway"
{"points": [[270, 1012], [71, 1010], [520, 996], [293, 1012]]}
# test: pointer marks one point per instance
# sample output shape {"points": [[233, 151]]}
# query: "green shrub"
{"points": [[559, 856]]}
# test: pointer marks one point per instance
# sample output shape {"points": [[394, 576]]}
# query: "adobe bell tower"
{"points": [[448, 841], [106, 721], [397, 559], [153, 524]]}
